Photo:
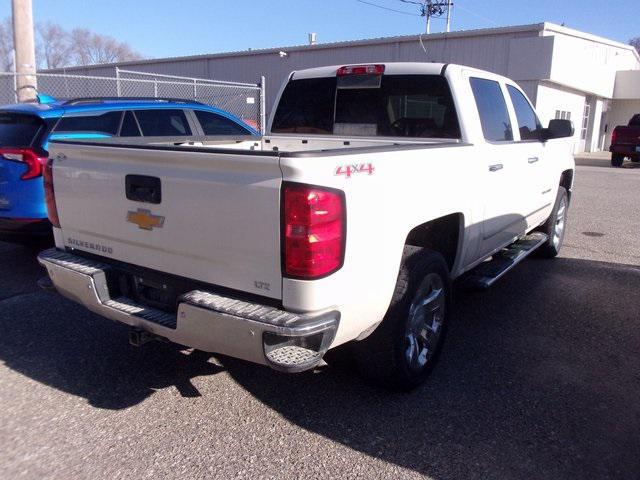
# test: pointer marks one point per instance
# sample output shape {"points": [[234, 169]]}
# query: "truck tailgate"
{"points": [[215, 218]]}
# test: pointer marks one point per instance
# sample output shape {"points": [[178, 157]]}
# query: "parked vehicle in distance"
{"points": [[375, 188], [625, 142], [26, 129]]}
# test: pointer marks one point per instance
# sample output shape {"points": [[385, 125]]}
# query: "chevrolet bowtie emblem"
{"points": [[145, 219]]}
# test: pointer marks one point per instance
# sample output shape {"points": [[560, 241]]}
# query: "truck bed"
{"points": [[217, 216]]}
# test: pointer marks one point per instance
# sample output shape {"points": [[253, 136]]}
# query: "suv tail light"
{"points": [[313, 231], [49, 194], [35, 163], [614, 136]]}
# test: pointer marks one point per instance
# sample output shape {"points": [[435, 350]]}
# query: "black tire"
{"points": [[616, 160], [383, 357], [555, 227]]}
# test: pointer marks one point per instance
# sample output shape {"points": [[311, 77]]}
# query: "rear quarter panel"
{"points": [[407, 187]]}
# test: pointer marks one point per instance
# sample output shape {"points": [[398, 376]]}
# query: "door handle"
{"points": [[496, 167], [533, 159]]}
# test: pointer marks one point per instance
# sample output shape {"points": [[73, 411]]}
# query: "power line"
{"points": [[386, 8], [486, 19], [433, 9]]}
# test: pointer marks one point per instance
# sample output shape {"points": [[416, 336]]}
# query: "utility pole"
{"points": [[25, 51], [434, 8], [428, 31]]}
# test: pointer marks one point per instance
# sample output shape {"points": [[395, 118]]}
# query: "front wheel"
{"points": [[402, 351], [555, 226], [616, 160]]}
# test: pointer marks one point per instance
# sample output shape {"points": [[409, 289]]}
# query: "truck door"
{"points": [[538, 194], [504, 177]]}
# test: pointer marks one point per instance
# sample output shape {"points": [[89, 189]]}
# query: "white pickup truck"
{"points": [[376, 187]]}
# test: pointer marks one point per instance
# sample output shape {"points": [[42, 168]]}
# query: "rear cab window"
{"points": [[163, 122], [492, 109], [21, 130], [416, 106]]}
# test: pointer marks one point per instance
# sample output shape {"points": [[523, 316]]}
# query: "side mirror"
{"points": [[558, 128]]}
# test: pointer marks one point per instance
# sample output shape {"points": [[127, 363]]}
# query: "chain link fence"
{"points": [[244, 100]]}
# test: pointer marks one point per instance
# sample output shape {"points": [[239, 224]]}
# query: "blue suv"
{"points": [[26, 129]]}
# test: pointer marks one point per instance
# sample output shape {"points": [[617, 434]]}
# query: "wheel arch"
{"points": [[566, 181], [443, 235]]}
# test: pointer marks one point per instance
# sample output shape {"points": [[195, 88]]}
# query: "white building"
{"points": [[567, 73]]}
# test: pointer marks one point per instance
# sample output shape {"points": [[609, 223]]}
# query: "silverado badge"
{"points": [[145, 219]]}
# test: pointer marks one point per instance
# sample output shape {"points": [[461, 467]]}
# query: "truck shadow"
{"points": [[603, 162], [534, 382], [61, 344], [538, 378]]}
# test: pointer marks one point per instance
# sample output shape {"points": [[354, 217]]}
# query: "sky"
{"points": [[165, 28]]}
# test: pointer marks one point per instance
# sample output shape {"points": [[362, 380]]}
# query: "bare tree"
{"points": [[6, 45], [91, 48], [57, 47], [635, 42], [53, 48]]}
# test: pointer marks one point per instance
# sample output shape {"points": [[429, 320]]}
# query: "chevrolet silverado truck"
{"points": [[625, 142], [375, 188]]}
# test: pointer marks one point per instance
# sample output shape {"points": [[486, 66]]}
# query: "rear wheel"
{"points": [[616, 160], [402, 351], [555, 226]]}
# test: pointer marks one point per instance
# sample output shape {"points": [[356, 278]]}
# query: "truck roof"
{"points": [[395, 68], [391, 68]]}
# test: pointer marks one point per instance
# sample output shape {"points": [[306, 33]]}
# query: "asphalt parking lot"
{"points": [[540, 378]]}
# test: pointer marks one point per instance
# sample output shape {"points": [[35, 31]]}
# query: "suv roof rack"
{"points": [[82, 100]]}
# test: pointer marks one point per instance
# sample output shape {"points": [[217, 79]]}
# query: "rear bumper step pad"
{"points": [[204, 320]]}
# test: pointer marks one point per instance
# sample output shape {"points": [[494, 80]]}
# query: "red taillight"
{"points": [[614, 136], [49, 195], [360, 70], [313, 231], [35, 164]]}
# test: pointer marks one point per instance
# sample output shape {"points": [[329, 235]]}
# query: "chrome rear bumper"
{"points": [[206, 321]]}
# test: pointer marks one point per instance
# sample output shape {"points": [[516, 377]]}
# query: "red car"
{"points": [[625, 142]]}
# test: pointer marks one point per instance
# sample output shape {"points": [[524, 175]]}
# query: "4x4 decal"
{"points": [[349, 170]]}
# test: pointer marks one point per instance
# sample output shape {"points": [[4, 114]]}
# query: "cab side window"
{"points": [[528, 123], [492, 108]]}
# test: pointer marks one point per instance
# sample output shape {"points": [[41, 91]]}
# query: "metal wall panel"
{"points": [[489, 52]]}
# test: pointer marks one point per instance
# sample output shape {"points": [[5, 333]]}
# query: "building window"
{"points": [[563, 115], [585, 121]]}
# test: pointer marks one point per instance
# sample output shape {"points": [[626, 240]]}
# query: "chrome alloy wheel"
{"points": [[424, 323], [558, 230]]}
